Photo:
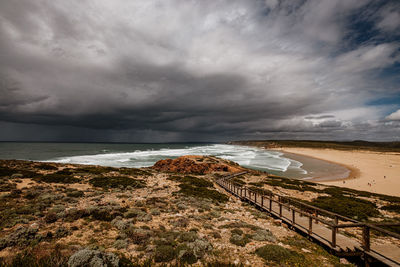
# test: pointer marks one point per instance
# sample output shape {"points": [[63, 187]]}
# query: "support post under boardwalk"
{"points": [[366, 238]]}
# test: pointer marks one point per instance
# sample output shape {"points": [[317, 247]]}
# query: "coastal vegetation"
{"points": [[58, 215]]}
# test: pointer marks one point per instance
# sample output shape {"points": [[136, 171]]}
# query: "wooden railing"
{"points": [[296, 210]]}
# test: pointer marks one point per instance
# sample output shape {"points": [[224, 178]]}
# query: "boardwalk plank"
{"points": [[385, 253]]}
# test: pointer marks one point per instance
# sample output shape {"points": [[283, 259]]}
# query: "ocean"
{"points": [[145, 155]]}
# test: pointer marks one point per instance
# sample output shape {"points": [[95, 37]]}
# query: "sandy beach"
{"points": [[370, 171]]}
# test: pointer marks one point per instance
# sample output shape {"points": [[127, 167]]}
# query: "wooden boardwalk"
{"points": [[321, 225]]}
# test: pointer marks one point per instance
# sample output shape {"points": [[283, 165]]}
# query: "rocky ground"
{"points": [[172, 214]]}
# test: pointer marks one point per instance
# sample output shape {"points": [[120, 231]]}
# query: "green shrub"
{"points": [[194, 181], [59, 178], [239, 224], [27, 258], [263, 235], [281, 255], [46, 166], [50, 217], [138, 236], [96, 169], [202, 192], [356, 208], [75, 193], [188, 236], [222, 264], [393, 208], [104, 214], [239, 240], [188, 257], [164, 253], [134, 172], [87, 257], [115, 182], [6, 171], [237, 181], [237, 231], [74, 214]]}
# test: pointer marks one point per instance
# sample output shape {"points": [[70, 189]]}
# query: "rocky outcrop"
{"points": [[196, 165]]}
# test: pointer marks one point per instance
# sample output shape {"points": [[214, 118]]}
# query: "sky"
{"points": [[199, 70]]}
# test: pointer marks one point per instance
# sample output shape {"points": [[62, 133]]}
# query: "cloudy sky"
{"points": [[199, 70]]}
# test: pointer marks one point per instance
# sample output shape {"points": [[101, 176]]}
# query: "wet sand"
{"points": [[375, 172]]}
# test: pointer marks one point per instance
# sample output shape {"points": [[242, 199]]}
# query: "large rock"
{"points": [[196, 165]]}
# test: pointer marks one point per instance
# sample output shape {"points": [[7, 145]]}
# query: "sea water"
{"points": [[145, 155]]}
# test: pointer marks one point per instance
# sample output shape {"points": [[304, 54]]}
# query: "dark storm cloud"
{"points": [[187, 70]]}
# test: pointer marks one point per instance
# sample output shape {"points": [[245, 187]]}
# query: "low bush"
{"points": [[194, 181], [202, 192], [23, 236], [134, 172], [87, 257], [74, 214], [28, 258], [239, 224], [75, 193], [280, 255], [45, 166], [138, 236], [6, 171], [237, 231], [355, 208], [164, 253], [116, 182], [188, 237], [104, 214], [96, 169], [263, 235], [239, 240], [392, 208], [50, 217], [58, 178]]}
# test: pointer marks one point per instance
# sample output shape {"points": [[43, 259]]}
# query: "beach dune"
{"points": [[377, 172]]}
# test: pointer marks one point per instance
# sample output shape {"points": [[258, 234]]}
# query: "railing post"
{"points": [[366, 238], [262, 200], [280, 209], [293, 216], [334, 236], [336, 222], [309, 225], [316, 215], [270, 202]]}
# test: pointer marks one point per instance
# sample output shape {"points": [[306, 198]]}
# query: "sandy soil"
{"points": [[370, 171]]}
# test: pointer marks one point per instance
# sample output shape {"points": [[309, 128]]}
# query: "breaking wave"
{"points": [[251, 157]]}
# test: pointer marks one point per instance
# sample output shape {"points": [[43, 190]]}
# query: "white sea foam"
{"points": [[246, 156]]}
